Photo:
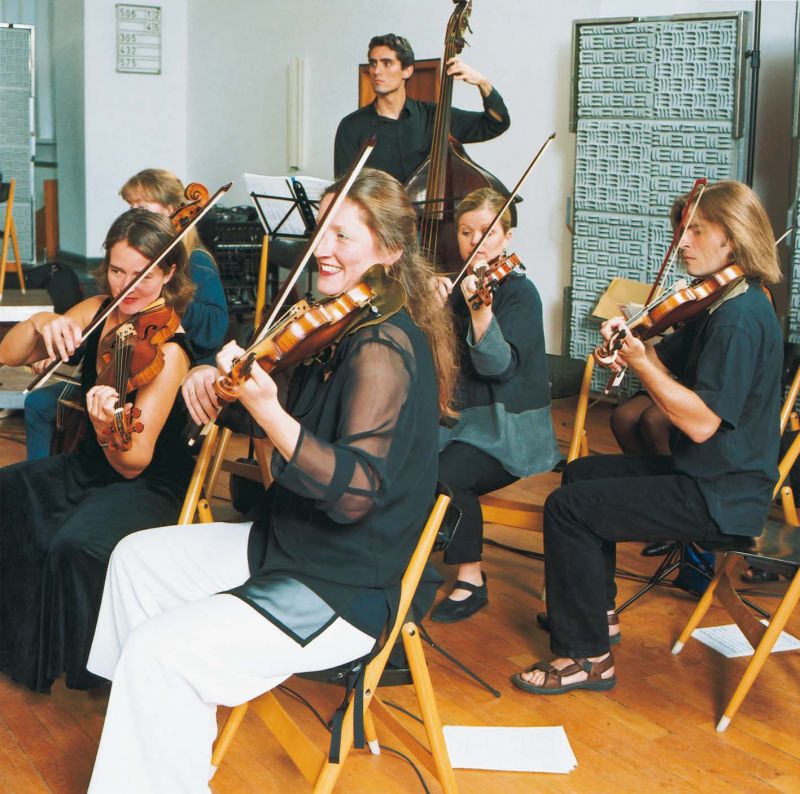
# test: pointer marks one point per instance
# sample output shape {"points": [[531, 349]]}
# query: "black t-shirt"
{"points": [[732, 359], [405, 142]]}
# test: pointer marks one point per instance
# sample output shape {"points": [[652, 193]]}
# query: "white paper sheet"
{"points": [[510, 749], [729, 640], [282, 186]]}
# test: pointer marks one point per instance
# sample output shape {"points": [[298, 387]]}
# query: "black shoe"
{"points": [[613, 620], [450, 611], [657, 549]]}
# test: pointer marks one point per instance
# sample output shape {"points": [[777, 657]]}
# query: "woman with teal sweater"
{"points": [[504, 430]]}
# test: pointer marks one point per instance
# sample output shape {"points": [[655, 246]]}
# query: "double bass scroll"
{"points": [[448, 174]]}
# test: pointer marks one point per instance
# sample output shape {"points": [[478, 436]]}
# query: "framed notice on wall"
{"points": [[138, 39]]}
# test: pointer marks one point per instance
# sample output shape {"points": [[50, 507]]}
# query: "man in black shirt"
{"points": [[717, 379], [404, 127]]}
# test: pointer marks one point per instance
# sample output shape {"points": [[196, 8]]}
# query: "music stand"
{"points": [[286, 208]]}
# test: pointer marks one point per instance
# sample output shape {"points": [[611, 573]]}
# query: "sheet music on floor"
{"points": [[509, 749], [276, 198], [729, 640]]}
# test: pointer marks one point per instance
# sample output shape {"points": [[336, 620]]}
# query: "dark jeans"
{"points": [[605, 499], [40, 419], [469, 473]]}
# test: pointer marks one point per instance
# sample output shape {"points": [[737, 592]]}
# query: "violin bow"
{"points": [[45, 374], [322, 228], [505, 206], [666, 265], [677, 238]]}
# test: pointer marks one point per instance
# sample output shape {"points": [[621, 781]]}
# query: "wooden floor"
{"points": [[653, 732]]}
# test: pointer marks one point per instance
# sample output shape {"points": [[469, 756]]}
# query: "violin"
{"points": [[448, 174], [98, 321], [309, 327], [489, 278], [674, 307], [131, 355], [196, 196]]}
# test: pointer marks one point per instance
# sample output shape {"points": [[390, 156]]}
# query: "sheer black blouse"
{"points": [[336, 529]]}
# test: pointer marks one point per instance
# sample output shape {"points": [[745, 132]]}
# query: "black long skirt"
{"points": [[60, 519]]}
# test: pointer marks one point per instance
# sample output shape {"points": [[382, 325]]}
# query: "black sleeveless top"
{"points": [[171, 461]]}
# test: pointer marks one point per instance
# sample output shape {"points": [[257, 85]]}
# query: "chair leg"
{"points": [[17, 260], [226, 735], [371, 734], [728, 564], [762, 652], [427, 704]]}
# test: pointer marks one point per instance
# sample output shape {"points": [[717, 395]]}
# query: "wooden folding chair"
{"points": [[778, 545], [313, 761], [9, 235], [525, 515]]}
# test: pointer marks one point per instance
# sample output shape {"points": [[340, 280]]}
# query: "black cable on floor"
{"points": [[404, 711], [297, 696]]}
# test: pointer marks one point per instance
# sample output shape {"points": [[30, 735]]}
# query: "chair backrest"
{"points": [[789, 457], [579, 428]]}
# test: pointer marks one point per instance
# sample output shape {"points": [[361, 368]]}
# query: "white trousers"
{"points": [[174, 650]]}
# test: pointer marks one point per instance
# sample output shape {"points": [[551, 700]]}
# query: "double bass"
{"points": [[448, 174]]}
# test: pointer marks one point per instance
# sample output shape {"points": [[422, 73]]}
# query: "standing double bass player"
{"points": [[403, 127]]}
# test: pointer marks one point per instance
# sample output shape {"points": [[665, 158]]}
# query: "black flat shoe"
{"points": [[613, 620], [450, 611], [657, 549]]}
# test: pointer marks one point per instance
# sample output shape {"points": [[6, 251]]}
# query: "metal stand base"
{"points": [[461, 666]]}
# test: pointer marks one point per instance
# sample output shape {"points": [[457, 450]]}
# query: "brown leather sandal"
{"points": [[553, 677]]}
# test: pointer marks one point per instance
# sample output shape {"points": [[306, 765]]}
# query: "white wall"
{"points": [[132, 121], [110, 125], [238, 98]]}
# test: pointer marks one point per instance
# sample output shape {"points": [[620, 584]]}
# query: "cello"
{"points": [[448, 174]]}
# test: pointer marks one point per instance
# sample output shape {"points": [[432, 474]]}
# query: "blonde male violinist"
{"points": [[717, 379]]}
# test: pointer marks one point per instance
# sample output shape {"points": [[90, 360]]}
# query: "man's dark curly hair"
{"points": [[400, 46]]}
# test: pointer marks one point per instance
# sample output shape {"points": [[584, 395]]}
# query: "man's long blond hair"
{"points": [[738, 210]]}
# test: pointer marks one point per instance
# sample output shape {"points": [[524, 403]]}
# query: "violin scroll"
{"points": [[196, 199]]}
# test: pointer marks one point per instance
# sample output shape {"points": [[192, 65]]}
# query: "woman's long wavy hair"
{"points": [[159, 186], [149, 233], [391, 218], [738, 210]]}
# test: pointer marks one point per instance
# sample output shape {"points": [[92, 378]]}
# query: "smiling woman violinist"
{"points": [[717, 379], [61, 516], [504, 430], [215, 613]]}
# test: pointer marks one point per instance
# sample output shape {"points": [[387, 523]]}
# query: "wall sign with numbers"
{"points": [[138, 39]]}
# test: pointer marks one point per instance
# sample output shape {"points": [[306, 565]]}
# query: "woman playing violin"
{"points": [[61, 516], [205, 318], [219, 613], [717, 379], [504, 430]]}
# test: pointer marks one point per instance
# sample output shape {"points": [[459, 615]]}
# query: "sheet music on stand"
{"points": [[286, 204]]}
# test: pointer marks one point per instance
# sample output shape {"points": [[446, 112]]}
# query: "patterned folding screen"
{"points": [[656, 104], [16, 128]]}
